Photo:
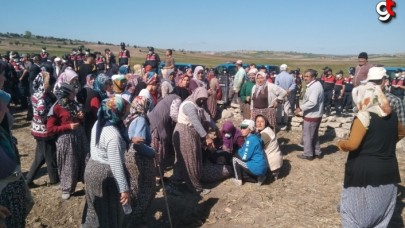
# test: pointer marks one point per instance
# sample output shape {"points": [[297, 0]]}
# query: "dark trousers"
{"points": [[241, 170], [328, 96], [23, 95], [45, 153], [347, 100]]}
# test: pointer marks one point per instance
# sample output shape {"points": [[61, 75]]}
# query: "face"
{"points": [[167, 53], [245, 131], [260, 80], [308, 78], [260, 123], [362, 61], [201, 101], [186, 81], [252, 77], [108, 87], [200, 74]]}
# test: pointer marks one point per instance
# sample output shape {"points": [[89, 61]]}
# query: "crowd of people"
{"points": [[118, 129]]}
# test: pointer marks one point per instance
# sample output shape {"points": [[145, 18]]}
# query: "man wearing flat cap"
{"points": [[362, 69]]}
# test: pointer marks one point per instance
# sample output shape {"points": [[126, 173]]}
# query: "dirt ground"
{"points": [[305, 195]]}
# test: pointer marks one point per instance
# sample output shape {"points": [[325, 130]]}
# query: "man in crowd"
{"points": [[328, 81], [123, 56], [347, 95], [398, 84], [287, 82], [237, 82], [100, 62], [152, 59], [57, 67], [338, 92], [169, 64], [87, 68], [44, 55], [312, 110], [110, 58], [362, 69]]}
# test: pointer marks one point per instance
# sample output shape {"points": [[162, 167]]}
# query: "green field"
{"points": [[293, 60]]}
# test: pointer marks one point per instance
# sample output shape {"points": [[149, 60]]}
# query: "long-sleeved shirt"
{"points": [[191, 116], [312, 105], [238, 81], [398, 107], [361, 73], [252, 153], [285, 81], [140, 128], [246, 90], [110, 150], [274, 92]]}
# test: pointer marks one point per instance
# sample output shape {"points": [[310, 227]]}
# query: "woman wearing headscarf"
{"points": [[246, 93], [151, 86], [139, 160], [107, 188], [69, 76], [42, 100], [232, 138], [371, 174], [187, 141], [212, 93], [163, 119], [13, 190], [90, 98], [119, 84], [270, 145], [183, 87], [250, 161], [265, 99], [90, 80], [72, 147], [198, 79], [167, 84]]}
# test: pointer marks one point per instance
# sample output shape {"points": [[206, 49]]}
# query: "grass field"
{"points": [[293, 60]]}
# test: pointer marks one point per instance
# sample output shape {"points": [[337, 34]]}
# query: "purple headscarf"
{"points": [[229, 128]]}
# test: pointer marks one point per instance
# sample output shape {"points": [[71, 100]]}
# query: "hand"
{"points": [[137, 140], [275, 103], [248, 99], [125, 198], [74, 126], [209, 142]]}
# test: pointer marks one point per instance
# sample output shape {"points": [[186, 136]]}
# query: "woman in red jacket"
{"points": [[72, 147]]}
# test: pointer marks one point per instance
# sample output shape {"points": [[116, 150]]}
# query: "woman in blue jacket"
{"points": [[250, 160]]}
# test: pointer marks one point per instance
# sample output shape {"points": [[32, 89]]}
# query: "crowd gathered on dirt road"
{"points": [[118, 128]]}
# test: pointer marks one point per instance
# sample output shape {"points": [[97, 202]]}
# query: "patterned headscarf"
{"points": [[139, 107], [148, 68], [41, 83], [67, 76], [119, 83], [151, 78], [111, 112], [138, 70], [370, 98], [99, 85], [62, 93]]}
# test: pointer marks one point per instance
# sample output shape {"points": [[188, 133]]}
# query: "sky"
{"points": [[311, 26]]}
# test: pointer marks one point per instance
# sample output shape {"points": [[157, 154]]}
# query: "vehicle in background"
{"points": [[269, 68], [182, 66], [392, 70]]}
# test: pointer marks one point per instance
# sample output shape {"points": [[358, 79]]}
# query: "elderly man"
{"points": [[237, 81], [362, 69], [287, 82], [312, 111], [398, 84]]}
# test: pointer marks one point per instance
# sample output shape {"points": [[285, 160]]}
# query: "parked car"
{"points": [[182, 66], [269, 68]]}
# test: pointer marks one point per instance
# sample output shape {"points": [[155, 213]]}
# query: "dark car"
{"points": [[182, 66], [269, 68]]}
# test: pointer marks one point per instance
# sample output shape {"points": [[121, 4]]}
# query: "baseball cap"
{"points": [[239, 62], [248, 124], [376, 73]]}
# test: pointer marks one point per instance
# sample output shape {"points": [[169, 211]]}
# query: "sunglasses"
{"points": [[244, 127]]}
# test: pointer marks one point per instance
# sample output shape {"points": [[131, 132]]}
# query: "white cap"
{"points": [[283, 67], [253, 71], [376, 73], [57, 59], [239, 62], [248, 123]]}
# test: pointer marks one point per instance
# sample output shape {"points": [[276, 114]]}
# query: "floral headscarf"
{"points": [[151, 78], [111, 112], [67, 76], [41, 83], [370, 98], [119, 83], [99, 85], [62, 93], [139, 107]]}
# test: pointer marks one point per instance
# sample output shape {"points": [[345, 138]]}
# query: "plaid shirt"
{"points": [[397, 106]]}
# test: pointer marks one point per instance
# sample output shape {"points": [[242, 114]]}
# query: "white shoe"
{"points": [[65, 195], [236, 182], [261, 179]]}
